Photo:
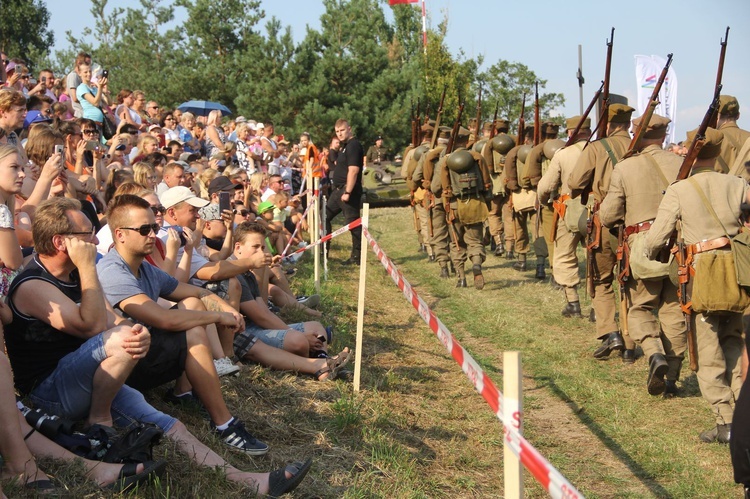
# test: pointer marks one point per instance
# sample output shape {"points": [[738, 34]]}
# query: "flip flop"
{"points": [[279, 484], [128, 477]]}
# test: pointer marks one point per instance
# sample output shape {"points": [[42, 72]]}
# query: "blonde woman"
{"points": [[144, 175], [214, 134], [11, 181], [258, 184], [204, 179]]}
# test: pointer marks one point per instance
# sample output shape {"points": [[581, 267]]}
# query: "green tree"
{"points": [[23, 29]]}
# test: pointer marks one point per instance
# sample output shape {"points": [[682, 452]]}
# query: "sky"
{"points": [[546, 37]]}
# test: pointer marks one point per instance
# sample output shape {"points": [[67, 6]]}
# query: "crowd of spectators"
{"points": [[142, 246]]}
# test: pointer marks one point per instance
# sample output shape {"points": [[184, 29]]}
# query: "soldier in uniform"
{"points": [[565, 259], [514, 176], [500, 218], [635, 191], [536, 166], [708, 204], [592, 174], [411, 160], [429, 175], [466, 182], [734, 137], [376, 153]]}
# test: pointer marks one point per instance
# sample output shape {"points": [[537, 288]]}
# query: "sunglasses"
{"points": [[144, 229], [158, 210], [81, 233], [242, 213], [90, 132]]}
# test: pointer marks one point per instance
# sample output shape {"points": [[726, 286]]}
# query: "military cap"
{"points": [[572, 122], [429, 126], [620, 113], [502, 124], [444, 132], [712, 146], [728, 105], [463, 133], [550, 128], [657, 126]]}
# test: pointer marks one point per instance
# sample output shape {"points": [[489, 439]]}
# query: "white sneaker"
{"points": [[225, 367]]}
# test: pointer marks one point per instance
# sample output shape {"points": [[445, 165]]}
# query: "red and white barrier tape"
{"points": [[296, 227], [330, 236], [552, 480]]}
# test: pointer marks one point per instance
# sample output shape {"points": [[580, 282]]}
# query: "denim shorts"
{"points": [[67, 391], [274, 337]]}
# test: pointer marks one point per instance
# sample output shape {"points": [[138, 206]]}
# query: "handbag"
{"points": [[109, 129]]}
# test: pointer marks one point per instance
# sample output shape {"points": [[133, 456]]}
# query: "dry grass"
{"points": [[417, 429]]}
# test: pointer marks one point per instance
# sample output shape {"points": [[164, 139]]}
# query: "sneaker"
{"points": [[311, 301], [225, 367], [237, 437]]}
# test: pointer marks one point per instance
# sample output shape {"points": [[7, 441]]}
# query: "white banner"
{"points": [[647, 72]]}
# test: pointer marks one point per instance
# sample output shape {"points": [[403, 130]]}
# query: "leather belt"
{"points": [[635, 229], [711, 244]]}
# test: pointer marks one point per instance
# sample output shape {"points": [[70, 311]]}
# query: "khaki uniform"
{"points": [[565, 262], [423, 214], [469, 236], [376, 155], [428, 175], [734, 139], [536, 166], [515, 180], [718, 335], [743, 156], [635, 191], [594, 169], [500, 218]]}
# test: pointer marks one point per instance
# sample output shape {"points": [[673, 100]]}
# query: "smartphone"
{"points": [[92, 145], [105, 73], [224, 201], [44, 79], [59, 149]]}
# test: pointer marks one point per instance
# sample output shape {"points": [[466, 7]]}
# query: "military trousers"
{"points": [[469, 239], [565, 261], [424, 226], [522, 221], [548, 216], [500, 219], [604, 298], [666, 334], [719, 341], [417, 225], [440, 238]]}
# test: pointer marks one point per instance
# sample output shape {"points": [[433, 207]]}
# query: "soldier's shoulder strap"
{"points": [[607, 147]]}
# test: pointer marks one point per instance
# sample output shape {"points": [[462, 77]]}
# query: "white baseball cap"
{"points": [[179, 194]]}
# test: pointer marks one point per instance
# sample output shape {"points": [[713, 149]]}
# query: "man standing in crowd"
{"points": [[376, 153], [635, 191], [708, 204], [347, 186]]}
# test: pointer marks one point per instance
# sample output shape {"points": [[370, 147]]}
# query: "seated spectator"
{"points": [[168, 125], [172, 175], [12, 114], [275, 186], [275, 239], [144, 175], [189, 143]]}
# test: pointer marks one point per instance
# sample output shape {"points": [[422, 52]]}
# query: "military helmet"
{"points": [[479, 145], [460, 161], [419, 151], [523, 152], [551, 147], [502, 143]]}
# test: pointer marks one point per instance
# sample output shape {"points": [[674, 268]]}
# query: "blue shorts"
{"points": [[273, 337], [67, 391]]}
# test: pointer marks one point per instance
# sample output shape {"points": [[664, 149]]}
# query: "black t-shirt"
{"points": [[35, 347], [351, 154]]}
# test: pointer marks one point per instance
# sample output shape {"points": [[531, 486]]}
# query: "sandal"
{"points": [[128, 477], [279, 484], [333, 366]]}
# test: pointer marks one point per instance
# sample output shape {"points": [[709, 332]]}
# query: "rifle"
{"points": [[537, 124], [719, 74], [601, 125], [683, 276], [700, 138], [433, 142], [623, 268], [413, 126], [454, 132], [521, 122], [494, 121], [646, 118], [585, 115], [593, 241]]}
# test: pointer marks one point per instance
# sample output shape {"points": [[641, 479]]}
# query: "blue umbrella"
{"points": [[203, 107]]}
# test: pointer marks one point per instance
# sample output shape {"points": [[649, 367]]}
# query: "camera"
{"points": [[48, 425]]}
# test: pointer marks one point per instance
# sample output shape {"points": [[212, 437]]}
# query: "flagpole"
{"points": [[424, 28]]}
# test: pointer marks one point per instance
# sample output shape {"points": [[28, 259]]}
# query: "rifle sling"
{"points": [[708, 206], [608, 148]]}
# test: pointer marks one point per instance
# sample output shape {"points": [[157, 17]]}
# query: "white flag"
{"points": [[647, 72]]}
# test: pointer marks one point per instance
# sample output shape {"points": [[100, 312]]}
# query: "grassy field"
{"points": [[419, 430]]}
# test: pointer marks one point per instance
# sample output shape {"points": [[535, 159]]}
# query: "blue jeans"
{"points": [[67, 391], [274, 337]]}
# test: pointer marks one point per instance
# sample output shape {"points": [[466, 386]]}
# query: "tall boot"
{"points": [[476, 269], [540, 274], [520, 265], [572, 309], [499, 248]]}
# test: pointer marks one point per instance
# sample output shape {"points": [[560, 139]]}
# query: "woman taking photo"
{"points": [[91, 97]]}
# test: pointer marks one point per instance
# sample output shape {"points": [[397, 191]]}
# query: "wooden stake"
{"points": [[361, 298]]}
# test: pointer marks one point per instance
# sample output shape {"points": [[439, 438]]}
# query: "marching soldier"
{"points": [[568, 212], [466, 182], [734, 137], [514, 175], [592, 174], [417, 193], [429, 175], [536, 166], [500, 217], [708, 204], [635, 191]]}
